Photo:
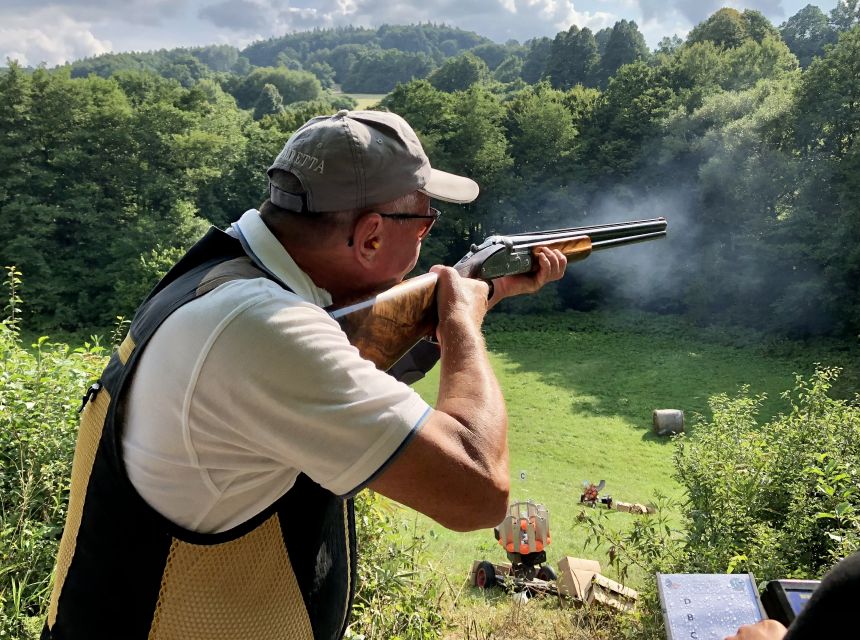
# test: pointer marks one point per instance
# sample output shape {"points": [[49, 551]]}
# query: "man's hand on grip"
{"points": [[459, 299]]}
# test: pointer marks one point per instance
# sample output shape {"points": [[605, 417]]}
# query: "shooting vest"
{"points": [[124, 572]]}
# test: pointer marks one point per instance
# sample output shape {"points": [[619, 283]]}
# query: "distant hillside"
{"points": [[363, 60], [187, 65], [435, 41]]}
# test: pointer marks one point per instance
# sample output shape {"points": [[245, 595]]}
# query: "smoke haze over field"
{"points": [[58, 31], [651, 274]]}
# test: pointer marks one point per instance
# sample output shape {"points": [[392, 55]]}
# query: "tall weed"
{"points": [[395, 600], [40, 390]]}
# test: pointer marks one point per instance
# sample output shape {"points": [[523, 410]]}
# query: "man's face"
{"points": [[403, 237]]}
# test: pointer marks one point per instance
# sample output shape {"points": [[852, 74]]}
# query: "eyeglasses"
{"points": [[429, 219]]}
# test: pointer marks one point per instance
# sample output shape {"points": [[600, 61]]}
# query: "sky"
{"points": [[58, 31]]}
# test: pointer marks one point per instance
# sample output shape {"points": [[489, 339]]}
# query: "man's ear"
{"points": [[367, 238]]}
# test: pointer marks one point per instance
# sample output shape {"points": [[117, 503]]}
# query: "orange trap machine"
{"points": [[524, 535]]}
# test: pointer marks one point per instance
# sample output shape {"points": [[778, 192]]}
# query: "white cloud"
{"points": [[138, 12], [49, 37], [594, 21], [499, 19], [695, 11]]}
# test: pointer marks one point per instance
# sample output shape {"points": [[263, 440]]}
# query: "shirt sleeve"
{"points": [[283, 382]]}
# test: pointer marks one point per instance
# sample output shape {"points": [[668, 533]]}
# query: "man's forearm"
{"points": [[469, 391]]}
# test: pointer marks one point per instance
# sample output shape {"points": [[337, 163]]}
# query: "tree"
{"points": [[725, 28], [324, 73], [826, 127], [510, 70], [293, 86], [541, 130], [460, 73], [426, 108], [341, 59], [828, 107], [477, 146], [845, 15], [186, 69], [491, 53], [380, 70], [627, 115], [534, 65], [669, 45], [270, 102], [694, 72], [754, 61], [758, 27], [602, 39], [806, 33], [218, 57], [626, 44], [288, 61], [573, 59]]}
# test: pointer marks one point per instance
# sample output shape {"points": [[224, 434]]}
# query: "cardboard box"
{"points": [[612, 594], [575, 576], [630, 507]]}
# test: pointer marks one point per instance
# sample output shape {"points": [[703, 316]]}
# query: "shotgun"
{"points": [[388, 325]]}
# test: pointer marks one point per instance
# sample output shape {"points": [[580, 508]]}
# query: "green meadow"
{"points": [[580, 389], [366, 100]]}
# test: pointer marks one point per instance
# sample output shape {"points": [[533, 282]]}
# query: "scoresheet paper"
{"points": [[707, 606]]}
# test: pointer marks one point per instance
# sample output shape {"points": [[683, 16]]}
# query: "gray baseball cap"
{"points": [[357, 159]]}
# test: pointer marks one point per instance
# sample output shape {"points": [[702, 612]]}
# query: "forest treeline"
{"points": [[744, 135]]}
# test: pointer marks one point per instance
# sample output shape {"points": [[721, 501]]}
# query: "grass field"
{"points": [[580, 389], [365, 100]]}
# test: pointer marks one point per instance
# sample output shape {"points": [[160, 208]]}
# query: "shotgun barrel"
{"points": [[510, 254]]}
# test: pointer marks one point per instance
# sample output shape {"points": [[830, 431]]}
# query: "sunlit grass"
{"points": [[580, 392], [366, 100]]}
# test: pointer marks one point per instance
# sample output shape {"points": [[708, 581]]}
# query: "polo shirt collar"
{"points": [[270, 254]]}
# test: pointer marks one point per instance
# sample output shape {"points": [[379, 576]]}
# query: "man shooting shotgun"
{"points": [[211, 491], [385, 327]]}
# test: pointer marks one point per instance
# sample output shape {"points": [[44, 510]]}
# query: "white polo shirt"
{"points": [[244, 388]]}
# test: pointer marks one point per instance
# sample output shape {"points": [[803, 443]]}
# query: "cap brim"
{"points": [[450, 188]]}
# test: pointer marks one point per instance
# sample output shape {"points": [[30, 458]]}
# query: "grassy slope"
{"points": [[366, 100], [580, 390]]}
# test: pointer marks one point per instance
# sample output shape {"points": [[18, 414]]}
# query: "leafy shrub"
{"points": [[393, 600], [779, 499], [40, 391]]}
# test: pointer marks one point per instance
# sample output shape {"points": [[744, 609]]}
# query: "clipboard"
{"points": [[708, 606]]}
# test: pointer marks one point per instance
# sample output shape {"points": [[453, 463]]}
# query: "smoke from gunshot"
{"points": [[735, 278], [646, 272]]}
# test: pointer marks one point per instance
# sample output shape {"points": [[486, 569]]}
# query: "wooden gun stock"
{"points": [[386, 326], [389, 324]]}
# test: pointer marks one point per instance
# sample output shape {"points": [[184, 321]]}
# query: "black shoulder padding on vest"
{"points": [[215, 244]]}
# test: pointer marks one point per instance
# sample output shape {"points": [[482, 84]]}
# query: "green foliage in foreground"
{"points": [[393, 599], [780, 499], [40, 391]]}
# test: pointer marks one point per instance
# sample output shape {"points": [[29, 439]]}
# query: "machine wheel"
{"points": [[547, 573], [485, 575]]}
